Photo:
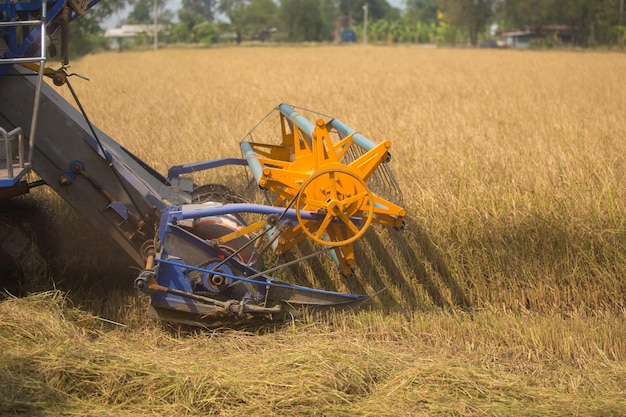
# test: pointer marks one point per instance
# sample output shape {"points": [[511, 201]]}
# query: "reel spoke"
{"points": [[323, 226], [360, 196], [346, 220]]}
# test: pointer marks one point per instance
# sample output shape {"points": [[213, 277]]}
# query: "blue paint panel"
{"points": [[12, 182]]}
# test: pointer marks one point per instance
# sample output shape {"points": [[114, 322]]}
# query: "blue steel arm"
{"points": [[267, 281], [177, 170], [178, 213]]}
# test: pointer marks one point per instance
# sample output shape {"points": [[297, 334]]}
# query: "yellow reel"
{"points": [[308, 170]]}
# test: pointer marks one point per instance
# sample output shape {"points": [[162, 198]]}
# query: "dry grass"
{"points": [[512, 163], [505, 295], [59, 360]]}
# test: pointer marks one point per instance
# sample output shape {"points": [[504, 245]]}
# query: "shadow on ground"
{"points": [[406, 265]]}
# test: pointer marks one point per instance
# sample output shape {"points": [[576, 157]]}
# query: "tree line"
{"points": [[451, 22]]}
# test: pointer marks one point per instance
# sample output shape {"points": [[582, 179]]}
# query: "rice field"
{"points": [[505, 295]]}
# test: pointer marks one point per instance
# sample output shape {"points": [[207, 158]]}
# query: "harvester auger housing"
{"points": [[200, 257]]}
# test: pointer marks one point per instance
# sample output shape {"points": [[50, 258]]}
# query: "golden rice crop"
{"points": [[504, 295], [512, 163], [58, 360]]}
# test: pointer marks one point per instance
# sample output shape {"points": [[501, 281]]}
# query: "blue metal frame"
{"points": [[266, 281], [19, 12], [174, 214], [14, 181], [172, 272], [177, 170]]}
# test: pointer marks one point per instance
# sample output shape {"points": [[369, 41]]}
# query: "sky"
{"points": [[174, 5]]}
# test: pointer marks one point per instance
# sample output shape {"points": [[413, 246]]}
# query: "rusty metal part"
{"points": [[78, 170], [231, 306], [65, 35]]}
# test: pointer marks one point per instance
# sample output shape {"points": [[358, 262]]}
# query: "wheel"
{"points": [[344, 200], [212, 282]]}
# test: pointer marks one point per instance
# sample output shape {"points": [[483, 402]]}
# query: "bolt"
{"points": [[65, 180], [58, 79]]}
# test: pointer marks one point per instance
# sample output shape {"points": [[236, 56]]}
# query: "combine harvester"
{"points": [[200, 259]]}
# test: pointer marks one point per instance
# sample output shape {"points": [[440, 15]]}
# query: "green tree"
{"points": [[180, 32], [259, 17], [378, 30], [234, 10], [206, 33], [303, 20], [141, 13], [204, 8], [589, 21], [423, 11], [330, 18], [189, 18], [85, 36], [470, 16], [106, 8], [377, 9], [420, 20], [533, 13]]}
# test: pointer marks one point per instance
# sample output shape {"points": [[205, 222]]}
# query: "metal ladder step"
{"points": [[11, 171], [42, 38]]}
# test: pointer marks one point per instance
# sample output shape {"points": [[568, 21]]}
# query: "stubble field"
{"points": [[505, 295]]}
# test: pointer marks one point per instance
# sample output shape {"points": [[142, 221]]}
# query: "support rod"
{"points": [[358, 138], [302, 122], [253, 161], [178, 213]]}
